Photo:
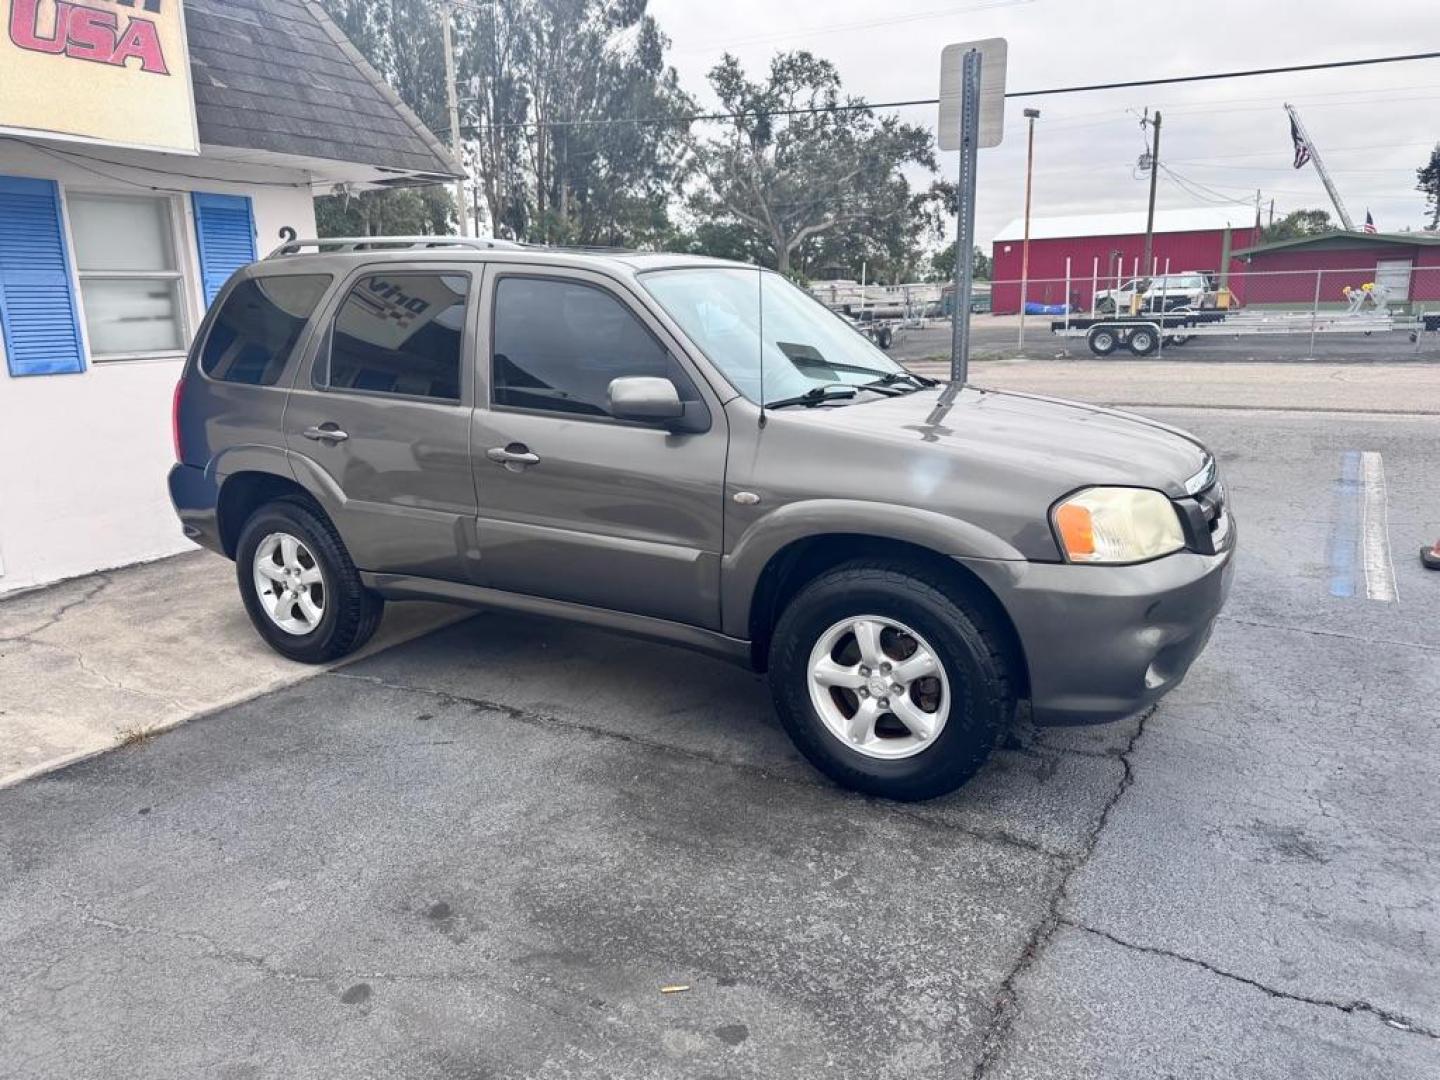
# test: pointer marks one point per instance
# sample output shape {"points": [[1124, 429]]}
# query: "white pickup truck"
{"points": [[1170, 291]]}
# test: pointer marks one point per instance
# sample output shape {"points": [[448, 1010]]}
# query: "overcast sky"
{"points": [[1374, 126]]}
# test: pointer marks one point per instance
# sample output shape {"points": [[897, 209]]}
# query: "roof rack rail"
{"points": [[333, 244]]}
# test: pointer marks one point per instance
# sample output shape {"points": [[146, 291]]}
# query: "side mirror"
{"points": [[644, 398], [649, 400]]}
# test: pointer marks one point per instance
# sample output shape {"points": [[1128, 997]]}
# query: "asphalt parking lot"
{"points": [[484, 853]]}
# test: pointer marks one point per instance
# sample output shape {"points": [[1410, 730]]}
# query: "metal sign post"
{"points": [[965, 222], [972, 115]]}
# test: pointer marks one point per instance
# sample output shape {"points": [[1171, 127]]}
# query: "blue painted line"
{"points": [[1345, 533]]}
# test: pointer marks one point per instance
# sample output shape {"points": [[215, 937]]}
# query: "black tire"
{"points": [[1143, 341], [1177, 339], [1102, 341], [883, 337], [976, 664], [350, 611]]}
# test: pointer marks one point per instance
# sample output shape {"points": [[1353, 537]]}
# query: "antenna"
{"points": [[760, 333]]}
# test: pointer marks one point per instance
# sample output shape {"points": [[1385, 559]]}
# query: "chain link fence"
{"points": [[1384, 312]]}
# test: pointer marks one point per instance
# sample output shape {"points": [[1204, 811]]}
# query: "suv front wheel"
{"points": [[887, 682], [300, 588]]}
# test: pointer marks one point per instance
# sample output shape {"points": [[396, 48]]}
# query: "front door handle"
{"points": [[514, 457], [327, 432]]}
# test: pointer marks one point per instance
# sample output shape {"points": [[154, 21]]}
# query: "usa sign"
{"points": [[103, 71]]}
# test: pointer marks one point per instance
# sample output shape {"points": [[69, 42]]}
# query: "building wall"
{"points": [[1185, 251], [1288, 276], [83, 458]]}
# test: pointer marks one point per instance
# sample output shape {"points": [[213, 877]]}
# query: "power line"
{"points": [[1197, 190], [1172, 80]]}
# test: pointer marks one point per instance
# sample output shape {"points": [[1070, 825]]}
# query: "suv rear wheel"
{"points": [[301, 591], [887, 682]]}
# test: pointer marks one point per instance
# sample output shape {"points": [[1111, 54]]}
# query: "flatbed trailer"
{"points": [[1142, 334]]}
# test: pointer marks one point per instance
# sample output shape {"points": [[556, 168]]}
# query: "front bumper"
{"points": [[1102, 642], [196, 497]]}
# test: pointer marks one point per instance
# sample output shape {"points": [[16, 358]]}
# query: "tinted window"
{"points": [[558, 344], [255, 332], [736, 316], [399, 334]]}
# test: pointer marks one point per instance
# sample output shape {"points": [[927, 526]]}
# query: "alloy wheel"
{"points": [[879, 687], [289, 583]]}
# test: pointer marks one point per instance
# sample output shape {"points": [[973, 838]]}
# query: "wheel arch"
{"points": [[244, 492], [803, 560]]}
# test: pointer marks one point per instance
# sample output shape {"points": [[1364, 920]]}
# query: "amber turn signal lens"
{"points": [[1076, 530]]}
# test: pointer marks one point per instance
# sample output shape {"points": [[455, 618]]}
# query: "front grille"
{"points": [[1207, 517]]}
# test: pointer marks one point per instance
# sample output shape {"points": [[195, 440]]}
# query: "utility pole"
{"points": [[1154, 177], [1031, 115], [454, 102], [1320, 168]]}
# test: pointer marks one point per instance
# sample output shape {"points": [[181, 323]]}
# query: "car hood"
{"points": [[1064, 444]]}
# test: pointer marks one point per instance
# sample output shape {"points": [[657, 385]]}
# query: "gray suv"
{"points": [[698, 452]]}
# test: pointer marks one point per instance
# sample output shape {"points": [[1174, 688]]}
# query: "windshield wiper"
{"points": [[817, 395], [891, 378]]}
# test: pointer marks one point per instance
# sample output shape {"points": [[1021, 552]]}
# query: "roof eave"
{"points": [[1404, 239], [451, 168]]}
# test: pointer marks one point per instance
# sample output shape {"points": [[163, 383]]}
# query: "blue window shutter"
{"points": [[225, 226], [37, 302]]}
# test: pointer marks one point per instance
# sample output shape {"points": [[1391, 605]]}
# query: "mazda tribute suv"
{"points": [[698, 452]]}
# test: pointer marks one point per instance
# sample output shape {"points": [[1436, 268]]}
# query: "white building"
{"points": [[129, 190]]}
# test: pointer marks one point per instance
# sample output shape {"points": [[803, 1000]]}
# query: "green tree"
{"points": [[402, 40], [942, 265], [554, 82], [1428, 176], [420, 211], [492, 41], [1296, 224], [799, 183]]}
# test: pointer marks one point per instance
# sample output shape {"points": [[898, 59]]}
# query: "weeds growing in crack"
{"points": [[135, 735]]}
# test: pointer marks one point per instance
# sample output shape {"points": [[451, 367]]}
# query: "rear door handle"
{"points": [[327, 432], [514, 457]]}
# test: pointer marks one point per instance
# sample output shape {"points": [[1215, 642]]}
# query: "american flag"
{"points": [[1369, 222], [1302, 148]]}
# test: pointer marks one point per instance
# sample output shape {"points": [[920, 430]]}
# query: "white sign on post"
{"points": [[992, 92]]}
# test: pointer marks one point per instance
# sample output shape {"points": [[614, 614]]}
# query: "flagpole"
{"points": [[1320, 168]]}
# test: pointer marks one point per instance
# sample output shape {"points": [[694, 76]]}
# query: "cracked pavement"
{"points": [[482, 853], [94, 661]]}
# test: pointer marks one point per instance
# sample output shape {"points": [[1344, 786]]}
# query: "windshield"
{"points": [[727, 311]]}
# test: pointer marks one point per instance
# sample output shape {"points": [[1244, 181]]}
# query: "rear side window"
{"points": [[399, 334], [558, 344], [255, 331]]}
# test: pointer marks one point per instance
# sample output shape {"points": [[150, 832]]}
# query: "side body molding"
{"points": [[742, 567]]}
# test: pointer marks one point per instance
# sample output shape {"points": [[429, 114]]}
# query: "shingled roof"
{"points": [[280, 76]]}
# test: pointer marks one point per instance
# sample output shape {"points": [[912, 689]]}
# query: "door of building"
{"points": [[1394, 276]]}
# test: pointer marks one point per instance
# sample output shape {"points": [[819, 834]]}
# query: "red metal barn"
{"points": [[1285, 274], [1109, 246]]}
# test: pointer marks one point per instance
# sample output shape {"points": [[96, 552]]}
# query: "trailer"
{"points": [[1145, 334]]}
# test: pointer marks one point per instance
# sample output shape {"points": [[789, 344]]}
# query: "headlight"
{"points": [[1117, 525]]}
